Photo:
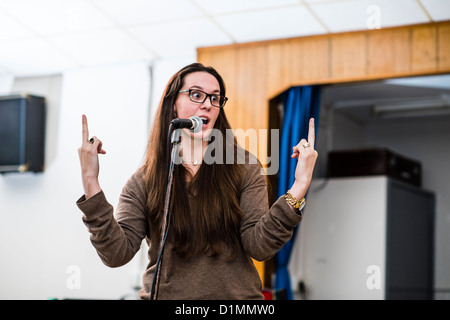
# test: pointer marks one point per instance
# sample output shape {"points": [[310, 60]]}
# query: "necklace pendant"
{"points": [[195, 162]]}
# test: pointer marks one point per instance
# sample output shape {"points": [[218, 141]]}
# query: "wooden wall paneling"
{"points": [[315, 59], [277, 67], [245, 87], [353, 56], [297, 48], [348, 55], [204, 56], [224, 61], [274, 69], [424, 42], [306, 61], [287, 60], [251, 88], [401, 42], [380, 52], [259, 72], [443, 47], [259, 102]]}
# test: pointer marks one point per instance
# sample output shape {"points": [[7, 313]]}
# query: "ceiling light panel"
{"points": [[104, 46], [47, 17], [439, 10], [400, 12], [341, 16], [180, 38], [10, 28], [136, 12], [232, 6], [16, 57], [269, 24], [4, 73]]}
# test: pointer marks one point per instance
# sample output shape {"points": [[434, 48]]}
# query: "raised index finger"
{"points": [[85, 131], [311, 132]]}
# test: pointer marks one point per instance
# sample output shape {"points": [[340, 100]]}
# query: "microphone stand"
{"points": [[175, 142]]}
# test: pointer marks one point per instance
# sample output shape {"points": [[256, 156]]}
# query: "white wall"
{"points": [[6, 83], [42, 234], [162, 71]]}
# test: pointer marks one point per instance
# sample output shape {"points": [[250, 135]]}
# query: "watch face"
{"points": [[302, 204]]}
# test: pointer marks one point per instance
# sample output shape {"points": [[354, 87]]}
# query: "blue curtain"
{"points": [[299, 105]]}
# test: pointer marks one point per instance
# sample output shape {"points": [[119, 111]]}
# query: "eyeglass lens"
{"points": [[200, 97]]}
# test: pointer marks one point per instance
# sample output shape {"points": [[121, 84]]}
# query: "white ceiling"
{"points": [[49, 36]]}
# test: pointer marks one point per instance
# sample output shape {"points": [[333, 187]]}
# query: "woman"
{"points": [[219, 215]]}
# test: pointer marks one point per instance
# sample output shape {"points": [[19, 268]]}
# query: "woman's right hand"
{"points": [[88, 153]]}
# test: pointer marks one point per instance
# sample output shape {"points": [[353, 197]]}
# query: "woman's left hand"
{"points": [[307, 156]]}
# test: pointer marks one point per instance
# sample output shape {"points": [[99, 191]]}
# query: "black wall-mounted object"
{"points": [[370, 162], [22, 133]]}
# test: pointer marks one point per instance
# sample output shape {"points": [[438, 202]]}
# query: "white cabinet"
{"points": [[365, 238]]}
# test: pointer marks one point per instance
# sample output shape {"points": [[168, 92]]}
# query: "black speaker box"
{"points": [[22, 133], [376, 161]]}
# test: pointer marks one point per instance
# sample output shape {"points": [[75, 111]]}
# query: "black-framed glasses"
{"points": [[199, 96]]}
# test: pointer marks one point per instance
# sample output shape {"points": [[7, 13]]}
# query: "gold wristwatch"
{"points": [[297, 204]]}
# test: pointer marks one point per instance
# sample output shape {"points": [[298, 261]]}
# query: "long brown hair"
{"points": [[212, 218]]}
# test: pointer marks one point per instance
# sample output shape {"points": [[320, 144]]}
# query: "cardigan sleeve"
{"points": [[117, 238], [264, 231]]}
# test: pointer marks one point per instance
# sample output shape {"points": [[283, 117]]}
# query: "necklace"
{"points": [[195, 163]]}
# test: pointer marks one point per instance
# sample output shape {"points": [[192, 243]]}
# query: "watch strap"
{"points": [[297, 204]]}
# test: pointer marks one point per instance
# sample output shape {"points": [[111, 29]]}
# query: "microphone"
{"points": [[194, 123]]}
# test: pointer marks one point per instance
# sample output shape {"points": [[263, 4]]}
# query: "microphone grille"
{"points": [[198, 124]]}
